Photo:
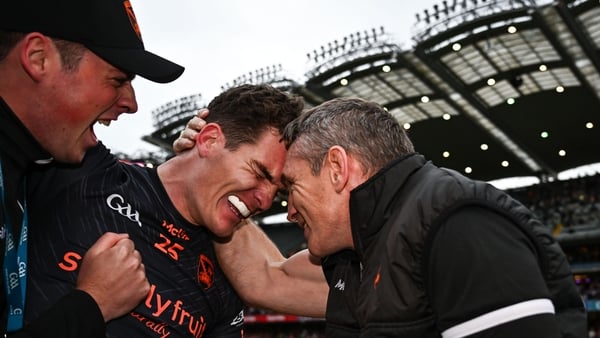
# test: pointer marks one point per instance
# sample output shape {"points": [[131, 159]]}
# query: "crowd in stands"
{"points": [[565, 206], [589, 286]]}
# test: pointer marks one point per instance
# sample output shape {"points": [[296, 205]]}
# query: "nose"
{"points": [[265, 197], [292, 213], [127, 99]]}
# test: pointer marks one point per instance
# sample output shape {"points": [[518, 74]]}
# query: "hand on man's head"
{"points": [[187, 138]]}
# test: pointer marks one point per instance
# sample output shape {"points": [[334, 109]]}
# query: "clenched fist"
{"points": [[112, 273]]}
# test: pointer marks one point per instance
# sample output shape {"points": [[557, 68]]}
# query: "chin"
{"points": [[222, 232], [313, 253], [315, 250]]}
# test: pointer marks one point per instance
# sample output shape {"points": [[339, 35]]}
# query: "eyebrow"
{"points": [[264, 171]]}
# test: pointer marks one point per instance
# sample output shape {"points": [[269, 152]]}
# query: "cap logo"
{"points": [[132, 19]]}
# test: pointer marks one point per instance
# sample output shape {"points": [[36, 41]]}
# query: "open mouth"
{"points": [[104, 122], [238, 206]]}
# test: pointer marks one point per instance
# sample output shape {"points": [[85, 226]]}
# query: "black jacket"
{"points": [[75, 315], [434, 250]]}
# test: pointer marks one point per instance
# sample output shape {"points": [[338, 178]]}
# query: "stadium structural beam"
{"points": [[460, 88], [577, 31], [565, 56]]}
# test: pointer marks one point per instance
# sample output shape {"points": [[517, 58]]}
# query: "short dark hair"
{"points": [[70, 52], [244, 112], [8, 41]]}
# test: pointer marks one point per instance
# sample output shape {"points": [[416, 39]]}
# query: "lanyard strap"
{"points": [[15, 264]]}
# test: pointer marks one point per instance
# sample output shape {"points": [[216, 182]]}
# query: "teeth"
{"points": [[239, 205], [104, 122]]}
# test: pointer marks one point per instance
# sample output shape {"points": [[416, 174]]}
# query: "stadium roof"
{"points": [[493, 89], [505, 88]]}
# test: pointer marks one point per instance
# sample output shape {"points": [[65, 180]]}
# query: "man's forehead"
{"points": [[292, 164]]}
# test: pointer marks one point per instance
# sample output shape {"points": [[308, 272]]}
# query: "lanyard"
{"points": [[15, 265]]}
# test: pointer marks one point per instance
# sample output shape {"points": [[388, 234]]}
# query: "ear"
{"points": [[209, 139], [336, 162], [34, 55]]}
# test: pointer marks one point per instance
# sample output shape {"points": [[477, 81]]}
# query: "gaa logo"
{"points": [[117, 203]]}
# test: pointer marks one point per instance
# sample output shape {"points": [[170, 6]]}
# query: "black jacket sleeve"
{"points": [[481, 263], [76, 315]]}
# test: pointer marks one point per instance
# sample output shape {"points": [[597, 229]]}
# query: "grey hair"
{"points": [[364, 129]]}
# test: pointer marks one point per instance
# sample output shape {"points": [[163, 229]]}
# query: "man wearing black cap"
{"points": [[65, 65]]}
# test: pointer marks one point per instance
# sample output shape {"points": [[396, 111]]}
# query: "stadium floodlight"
{"points": [[176, 110], [272, 75]]}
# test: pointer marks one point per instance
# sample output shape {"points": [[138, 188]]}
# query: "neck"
{"points": [[17, 145], [176, 184]]}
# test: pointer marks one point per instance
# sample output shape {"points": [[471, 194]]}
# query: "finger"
{"points": [[138, 256], [127, 245], [188, 135], [182, 144], [108, 240], [202, 113], [196, 123]]}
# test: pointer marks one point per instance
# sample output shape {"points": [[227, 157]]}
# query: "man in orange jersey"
{"points": [[172, 214]]}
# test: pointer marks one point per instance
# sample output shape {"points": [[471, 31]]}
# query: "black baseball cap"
{"points": [[106, 27]]}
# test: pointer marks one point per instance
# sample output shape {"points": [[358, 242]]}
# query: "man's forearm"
{"points": [[264, 278]]}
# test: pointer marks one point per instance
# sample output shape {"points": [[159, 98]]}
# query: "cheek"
{"points": [[74, 117], [307, 204], [80, 106]]}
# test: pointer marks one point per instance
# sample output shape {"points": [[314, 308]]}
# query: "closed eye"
{"points": [[261, 171]]}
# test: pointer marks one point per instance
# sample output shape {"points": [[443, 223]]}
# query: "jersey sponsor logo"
{"points": [[175, 231], [155, 302], [117, 203], [238, 319], [206, 271], [160, 328], [70, 261], [340, 285]]}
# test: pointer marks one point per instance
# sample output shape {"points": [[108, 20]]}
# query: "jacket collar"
{"points": [[371, 202], [18, 146]]}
